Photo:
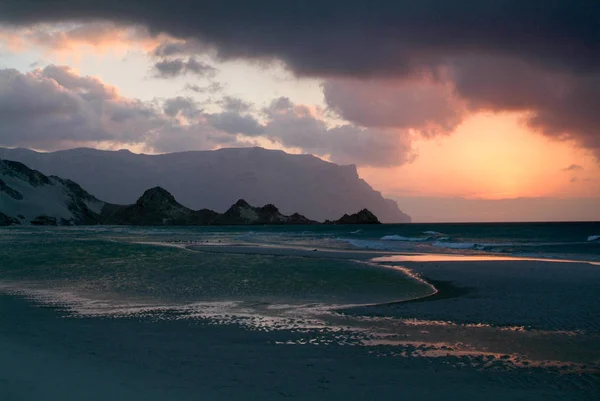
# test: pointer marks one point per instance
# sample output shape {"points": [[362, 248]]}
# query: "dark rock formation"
{"points": [[363, 217], [156, 207], [21, 171], [7, 221], [44, 221], [203, 217], [242, 213], [298, 219]]}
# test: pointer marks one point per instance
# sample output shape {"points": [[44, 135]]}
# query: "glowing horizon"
{"points": [[409, 137]]}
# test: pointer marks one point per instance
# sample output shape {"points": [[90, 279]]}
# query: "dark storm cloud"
{"points": [[170, 68], [424, 104], [169, 49], [178, 48], [355, 37], [560, 105]]}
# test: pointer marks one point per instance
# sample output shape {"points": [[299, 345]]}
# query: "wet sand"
{"points": [[44, 356], [474, 338]]}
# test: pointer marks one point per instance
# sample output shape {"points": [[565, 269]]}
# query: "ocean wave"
{"points": [[458, 245], [356, 232], [434, 233], [366, 244], [408, 239], [593, 238], [246, 235]]}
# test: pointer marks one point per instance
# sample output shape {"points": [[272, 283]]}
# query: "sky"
{"points": [[461, 111]]}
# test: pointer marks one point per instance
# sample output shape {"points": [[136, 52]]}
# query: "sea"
{"points": [[494, 311]]}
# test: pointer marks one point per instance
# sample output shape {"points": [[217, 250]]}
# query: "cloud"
{"points": [[235, 104], [54, 108], [573, 167], [199, 136], [212, 88], [235, 123], [99, 36], [298, 126], [47, 106], [357, 38], [181, 106], [177, 47], [559, 105], [424, 104], [171, 68], [543, 59]]}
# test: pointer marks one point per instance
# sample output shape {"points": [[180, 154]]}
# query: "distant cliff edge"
{"points": [[216, 179], [30, 197]]}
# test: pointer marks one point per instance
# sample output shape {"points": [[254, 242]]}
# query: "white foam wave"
{"points": [[401, 238], [593, 238], [458, 245], [366, 244], [434, 233], [356, 232], [247, 235]]}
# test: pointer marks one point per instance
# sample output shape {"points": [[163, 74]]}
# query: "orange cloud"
{"points": [[71, 39], [491, 156], [423, 103]]}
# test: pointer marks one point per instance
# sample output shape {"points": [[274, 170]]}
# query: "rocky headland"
{"points": [[28, 197]]}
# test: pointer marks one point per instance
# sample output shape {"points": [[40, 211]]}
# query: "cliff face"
{"points": [[216, 179]]}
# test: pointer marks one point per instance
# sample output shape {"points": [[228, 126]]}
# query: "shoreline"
{"points": [[413, 265], [295, 251], [375, 256]]}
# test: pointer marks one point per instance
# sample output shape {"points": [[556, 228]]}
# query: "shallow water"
{"points": [[98, 313]]}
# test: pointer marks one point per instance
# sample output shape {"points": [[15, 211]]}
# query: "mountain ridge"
{"points": [[305, 184], [29, 197]]}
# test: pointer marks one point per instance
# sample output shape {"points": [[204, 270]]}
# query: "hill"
{"points": [[216, 179]]}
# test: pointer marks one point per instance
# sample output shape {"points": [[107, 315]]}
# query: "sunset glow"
{"points": [[492, 156], [423, 134]]}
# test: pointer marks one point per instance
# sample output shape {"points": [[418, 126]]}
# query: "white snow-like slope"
{"points": [[44, 196]]}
